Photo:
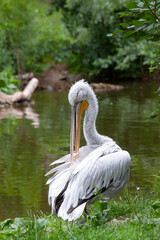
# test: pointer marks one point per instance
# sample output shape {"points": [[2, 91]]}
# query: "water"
{"points": [[34, 136]]}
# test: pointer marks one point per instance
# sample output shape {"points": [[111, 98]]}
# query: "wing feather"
{"points": [[63, 159], [95, 171]]}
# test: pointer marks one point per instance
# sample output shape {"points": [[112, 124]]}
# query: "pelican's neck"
{"points": [[89, 127]]}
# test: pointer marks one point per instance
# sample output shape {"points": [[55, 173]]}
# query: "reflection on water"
{"points": [[26, 151], [26, 112]]}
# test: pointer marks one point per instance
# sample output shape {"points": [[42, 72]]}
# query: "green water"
{"points": [[35, 136]]}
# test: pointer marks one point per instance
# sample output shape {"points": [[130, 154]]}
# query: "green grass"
{"points": [[131, 218]]}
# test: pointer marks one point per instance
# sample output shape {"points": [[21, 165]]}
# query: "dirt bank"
{"points": [[58, 78]]}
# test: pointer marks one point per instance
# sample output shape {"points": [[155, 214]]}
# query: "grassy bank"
{"points": [[129, 218]]}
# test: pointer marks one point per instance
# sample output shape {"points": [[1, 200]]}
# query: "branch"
{"points": [[154, 13]]}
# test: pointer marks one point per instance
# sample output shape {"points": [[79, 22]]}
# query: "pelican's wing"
{"points": [[96, 171], [67, 158], [62, 173], [63, 159]]}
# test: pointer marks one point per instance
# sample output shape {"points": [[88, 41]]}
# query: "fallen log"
{"points": [[101, 87], [25, 77], [20, 96]]}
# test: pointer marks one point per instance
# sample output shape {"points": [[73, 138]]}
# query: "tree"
{"points": [[31, 36], [15, 17], [93, 53], [146, 23], [144, 15]]}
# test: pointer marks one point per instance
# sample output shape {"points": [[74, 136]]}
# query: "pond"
{"points": [[32, 137]]}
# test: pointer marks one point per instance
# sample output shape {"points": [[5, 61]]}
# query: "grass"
{"points": [[131, 218]]}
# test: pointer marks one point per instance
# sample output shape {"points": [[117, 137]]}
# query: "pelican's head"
{"points": [[80, 97]]}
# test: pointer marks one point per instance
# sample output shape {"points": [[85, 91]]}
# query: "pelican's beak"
{"points": [[76, 114]]}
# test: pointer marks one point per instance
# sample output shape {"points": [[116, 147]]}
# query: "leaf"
{"points": [[126, 34], [140, 28], [123, 14], [137, 23], [109, 35], [152, 3], [151, 69], [12, 86], [156, 176], [153, 115], [6, 223], [156, 204], [131, 5], [150, 16], [124, 24], [131, 27], [117, 31], [142, 20], [150, 27], [141, 4]]}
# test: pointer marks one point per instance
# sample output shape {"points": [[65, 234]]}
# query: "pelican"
{"points": [[101, 164]]}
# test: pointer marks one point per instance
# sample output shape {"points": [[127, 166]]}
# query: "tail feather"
{"points": [[56, 187], [76, 213]]}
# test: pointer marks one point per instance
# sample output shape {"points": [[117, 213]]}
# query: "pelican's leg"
{"points": [[85, 210], [85, 214]]}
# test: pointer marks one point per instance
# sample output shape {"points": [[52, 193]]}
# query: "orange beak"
{"points": [[76, 114]]}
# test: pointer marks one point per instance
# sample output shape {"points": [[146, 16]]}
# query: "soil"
{"points": [[58, 78]]}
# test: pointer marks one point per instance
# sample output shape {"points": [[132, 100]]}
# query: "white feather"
{"points": [[94, 172], [101, 164]]}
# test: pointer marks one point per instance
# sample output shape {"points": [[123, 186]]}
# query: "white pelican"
{"points": [[101, 164]]}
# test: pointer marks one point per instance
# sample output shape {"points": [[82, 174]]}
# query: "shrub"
{"points": [[93, 52], [8, 83], [31, 36]]}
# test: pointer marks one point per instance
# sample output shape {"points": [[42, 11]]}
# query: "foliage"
{"points": [[146, 23], [94, 53], [49, 42], [144, 15], [8, 83], [33, 35], [30, 35], [14, 18], [6, 58], [146, 18], [134, 217]]}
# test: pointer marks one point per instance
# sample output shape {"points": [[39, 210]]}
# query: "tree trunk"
{"points": [[18, 59]]}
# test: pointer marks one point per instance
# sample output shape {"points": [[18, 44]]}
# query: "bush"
{"points": [[144, 15], [95, 53], [8, 83], [33, 35], [48, 42], [30, 35]]}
